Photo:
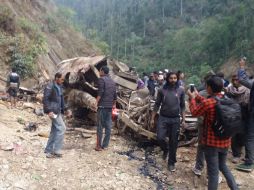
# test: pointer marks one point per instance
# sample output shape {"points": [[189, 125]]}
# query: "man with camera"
{"points": [[215, 148]]}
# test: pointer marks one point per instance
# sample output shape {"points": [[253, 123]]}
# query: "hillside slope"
{"points": [[33, 29]]}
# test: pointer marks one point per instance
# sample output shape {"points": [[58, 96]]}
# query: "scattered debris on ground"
{"points": [[133, 160], [125, 165]]}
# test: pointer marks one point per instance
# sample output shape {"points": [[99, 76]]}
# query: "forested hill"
{"points": [[34, 37], [192, 35]]}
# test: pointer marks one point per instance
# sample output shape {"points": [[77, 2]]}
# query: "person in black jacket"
{"points": [[106, 100], [13, 83], [53, 104], [171, 102], [151, 83], [244, 79]]}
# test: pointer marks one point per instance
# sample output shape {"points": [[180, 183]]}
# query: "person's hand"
{"points": [[51, 115], [193, 94]]}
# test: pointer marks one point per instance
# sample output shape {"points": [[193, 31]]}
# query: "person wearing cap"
{"points": [[106, 100], [166, 70], [160, 85]]}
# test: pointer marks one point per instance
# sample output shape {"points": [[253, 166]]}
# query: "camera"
{"points": [[192, 87]]}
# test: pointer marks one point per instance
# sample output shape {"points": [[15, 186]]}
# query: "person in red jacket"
{"points": [[215, 148]]}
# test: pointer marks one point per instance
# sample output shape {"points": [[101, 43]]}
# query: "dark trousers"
{"points": [[216, 161], [237, 142], [168, 127], [249, 143], [104, 119], [200, 158], [200, 155]]}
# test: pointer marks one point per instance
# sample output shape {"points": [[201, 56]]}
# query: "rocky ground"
{"points": [[125, 165]]}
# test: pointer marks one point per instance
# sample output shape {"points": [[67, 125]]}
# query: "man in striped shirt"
{"points": [[215, 148]]}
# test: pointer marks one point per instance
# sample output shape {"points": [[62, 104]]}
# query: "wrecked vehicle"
{"points": [[134, 106]]}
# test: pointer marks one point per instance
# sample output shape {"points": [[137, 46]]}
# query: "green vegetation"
{"points": [[24, 51], [67, 16], [93, 36], [7, 21], [24, 54], [52, 25], [172, 34], [5, 14]]}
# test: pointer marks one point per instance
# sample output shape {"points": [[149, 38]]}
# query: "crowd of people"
{"points": [[169, 91]]}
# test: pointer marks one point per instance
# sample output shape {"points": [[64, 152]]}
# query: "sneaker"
{"points": [[245, 167], [196, 171], [235, 160], [104, 147], [171, 168], [58, 155], [50, 155], [220, 179]]}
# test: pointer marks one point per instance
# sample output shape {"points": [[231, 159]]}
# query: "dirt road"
{"points": [[125, 165]]}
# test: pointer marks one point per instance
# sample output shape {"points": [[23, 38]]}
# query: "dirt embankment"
{"points": [[62, 44]]}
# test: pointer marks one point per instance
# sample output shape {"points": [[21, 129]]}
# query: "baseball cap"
{"points": [[160, 77]]}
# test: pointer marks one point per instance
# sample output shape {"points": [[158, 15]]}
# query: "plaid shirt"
{"points": [[201, 106]]}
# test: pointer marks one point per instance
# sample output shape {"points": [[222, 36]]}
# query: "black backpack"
{"points": [[14, 78], [228, 119]]}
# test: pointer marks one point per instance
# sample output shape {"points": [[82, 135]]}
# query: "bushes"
{"points": [[52, 25], [26, 42], [7, 22], [24, 51], [28, 27], [23, 66], [5, 14], [24, 54]]}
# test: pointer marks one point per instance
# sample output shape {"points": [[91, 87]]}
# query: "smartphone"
{"points": [[192, 87]]}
